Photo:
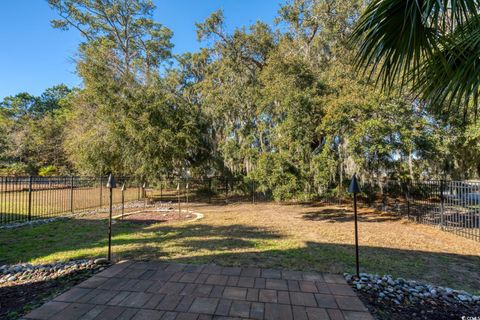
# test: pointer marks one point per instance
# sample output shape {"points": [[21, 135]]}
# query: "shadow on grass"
{"points": [[232, 245], [83, 235], [344, 215]]}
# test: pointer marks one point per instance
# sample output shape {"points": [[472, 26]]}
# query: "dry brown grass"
{"points": [[302, 237], [389, 244]]}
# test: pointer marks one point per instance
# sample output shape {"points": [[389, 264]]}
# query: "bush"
{"points": [[15, 169], [48, 171]]}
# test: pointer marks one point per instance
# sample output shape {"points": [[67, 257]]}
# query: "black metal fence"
{"points": [[451, 205], [29, 198], [211, 190]]}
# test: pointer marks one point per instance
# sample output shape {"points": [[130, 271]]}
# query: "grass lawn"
{"points": [[49, 203], [302, 237]]}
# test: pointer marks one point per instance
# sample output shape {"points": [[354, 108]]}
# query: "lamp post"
{"points": [[355, 188], [123, 199], [111, 183]]}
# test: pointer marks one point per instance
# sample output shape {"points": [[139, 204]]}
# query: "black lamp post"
{"points": [[111, 183], [123, 199], [355, 188]]}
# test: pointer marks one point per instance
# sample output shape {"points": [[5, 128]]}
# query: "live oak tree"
{"points": [[125, 119], [282, 104], [32, 131]]}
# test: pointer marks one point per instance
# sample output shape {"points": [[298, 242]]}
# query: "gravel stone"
{"points": [[406, 292]]}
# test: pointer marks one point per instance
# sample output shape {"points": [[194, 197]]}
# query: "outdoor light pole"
{"points": [[355, 188], [110, 185]]}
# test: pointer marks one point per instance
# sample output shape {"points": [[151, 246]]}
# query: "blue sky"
{"points": [[34, 56]]}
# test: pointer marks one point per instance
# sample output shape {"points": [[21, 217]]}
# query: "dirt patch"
{"points": [[155, 216]]}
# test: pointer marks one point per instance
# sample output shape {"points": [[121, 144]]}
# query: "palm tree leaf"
{"points": [[394, 36], [451, 75]]}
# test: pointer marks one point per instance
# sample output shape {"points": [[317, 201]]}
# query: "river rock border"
{"points": [[27, 272], [400, 291]]}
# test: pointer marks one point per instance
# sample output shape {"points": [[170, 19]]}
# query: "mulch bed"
{"points": [[390, 311], [19, 298], [148, 217]]}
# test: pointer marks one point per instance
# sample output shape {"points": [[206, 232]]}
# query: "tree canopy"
{"points": [[281, 104]]}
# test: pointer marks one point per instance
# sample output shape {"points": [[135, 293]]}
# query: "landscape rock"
{"points": [[101, 261], [29, 273], [403, 292]]}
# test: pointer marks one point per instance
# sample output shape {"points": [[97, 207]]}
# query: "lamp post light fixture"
{"points": [[355, 188], [111, 183], [123, 199]]}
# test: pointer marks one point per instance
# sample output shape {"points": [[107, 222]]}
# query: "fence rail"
{"points": [[453, 206], [29, 198]]}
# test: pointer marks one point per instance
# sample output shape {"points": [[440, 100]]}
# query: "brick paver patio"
{"points": [[152, 290]]}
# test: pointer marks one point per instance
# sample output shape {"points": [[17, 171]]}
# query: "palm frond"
{"points": [[394, 36], [451, 75]]}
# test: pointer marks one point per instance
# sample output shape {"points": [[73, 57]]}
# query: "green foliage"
{"points": [[32, 129], [48, 171], [432, 44], [278, 176], [15, 169], [281, 105]]}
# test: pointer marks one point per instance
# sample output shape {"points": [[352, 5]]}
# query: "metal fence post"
{"points": [[71, 194], [178, 198], [123, 199], [186, 189], [210, 190], [144, 195], [408, 200], [226, 190], [30, 178], [161, 190], [101, 195], [442, 209], [253, 192]]}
